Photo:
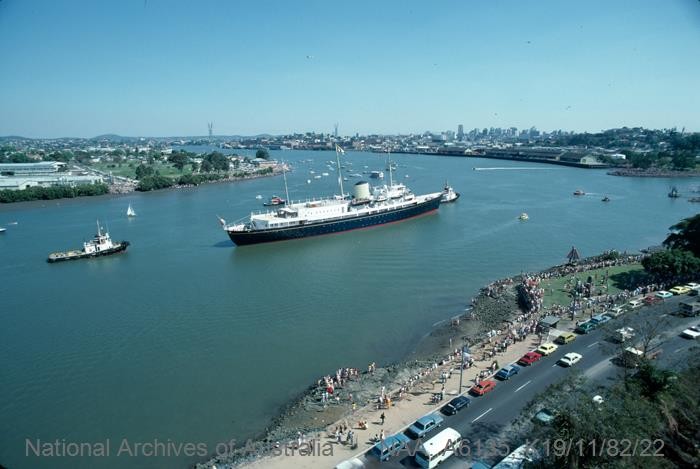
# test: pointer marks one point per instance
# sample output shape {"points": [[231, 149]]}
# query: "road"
{"points": [[487, 416]]}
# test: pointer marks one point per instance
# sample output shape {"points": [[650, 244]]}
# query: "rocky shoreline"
{"points": [[653, 173], [502, 306]]}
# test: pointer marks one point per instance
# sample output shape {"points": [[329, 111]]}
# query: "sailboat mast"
{"points": [[340, 176]]}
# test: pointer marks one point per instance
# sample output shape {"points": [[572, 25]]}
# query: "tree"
{"points": [[206, 166], [262, 153], [143, 171], [685, 235], [217, 161], [179, 160], [671, 263]]}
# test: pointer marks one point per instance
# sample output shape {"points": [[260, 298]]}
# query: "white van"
{"points": [[634, 304], [440, 447]]}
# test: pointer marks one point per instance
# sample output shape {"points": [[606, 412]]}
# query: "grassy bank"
{"points": [[557, 291]]}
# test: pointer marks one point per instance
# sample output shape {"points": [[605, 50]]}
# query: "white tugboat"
{"points": [[100, 245], [449, 194]]}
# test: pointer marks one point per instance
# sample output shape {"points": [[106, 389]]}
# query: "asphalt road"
{"points": [[485, 418]]}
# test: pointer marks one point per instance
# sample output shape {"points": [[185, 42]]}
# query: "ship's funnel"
{"points": [[362, 190]]}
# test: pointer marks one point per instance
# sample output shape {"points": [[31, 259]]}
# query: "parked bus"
{"points": [[440, 447]]}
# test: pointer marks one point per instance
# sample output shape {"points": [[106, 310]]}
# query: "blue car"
{"points": [[423, 425], [507, 371], [599, 319], [455, 405], [390, 446]]}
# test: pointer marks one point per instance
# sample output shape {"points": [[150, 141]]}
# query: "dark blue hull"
{"points": [[242, 238]]}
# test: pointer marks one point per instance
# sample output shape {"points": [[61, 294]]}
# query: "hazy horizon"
{"points": [[80, 68]]}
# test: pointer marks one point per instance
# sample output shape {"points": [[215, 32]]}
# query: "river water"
{"points": [[186, 338]]}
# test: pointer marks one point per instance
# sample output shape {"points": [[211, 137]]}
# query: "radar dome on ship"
{"points": [[362, 190]]}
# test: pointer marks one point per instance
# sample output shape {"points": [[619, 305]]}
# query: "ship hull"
{"points": [[242, 238], [74, 255]]}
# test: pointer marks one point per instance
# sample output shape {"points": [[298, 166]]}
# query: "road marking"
{"points": [[677, 350], [482, 415], [592, 344], [663, 315], [523, 386], [556, 364]]}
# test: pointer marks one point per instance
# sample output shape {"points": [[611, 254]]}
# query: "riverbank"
{"points": [[504, 313], [653, 173]]}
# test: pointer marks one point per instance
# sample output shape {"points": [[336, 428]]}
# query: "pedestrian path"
{"points": [[401, 414]]}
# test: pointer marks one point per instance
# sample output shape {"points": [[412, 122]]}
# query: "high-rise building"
{"points": [[460, 132]]}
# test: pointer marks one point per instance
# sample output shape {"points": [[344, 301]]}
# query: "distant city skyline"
{"points": [[157, 69]]}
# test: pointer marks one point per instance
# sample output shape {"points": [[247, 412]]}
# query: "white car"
{"points": [[691, 333], [570, 359], [663, 294], [693, 285]]}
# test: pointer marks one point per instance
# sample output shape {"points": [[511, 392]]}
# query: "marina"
{"points": [[191, 352]]}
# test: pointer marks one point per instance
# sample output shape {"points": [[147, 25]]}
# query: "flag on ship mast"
{"points": [[339, 150]]}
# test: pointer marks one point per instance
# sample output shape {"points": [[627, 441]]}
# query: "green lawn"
{"points": [[123, 169], [555, 291]]}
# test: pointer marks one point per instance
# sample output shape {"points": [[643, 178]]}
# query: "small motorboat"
{"points": [[579, 192], [523, 217], [274, 200], [605, 199], [674, 194], [258, 196], [2, 230]]}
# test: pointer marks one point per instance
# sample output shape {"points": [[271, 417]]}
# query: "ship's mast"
{"points": [[286, 190], [340, 176], [99, 232], [391, 178]]}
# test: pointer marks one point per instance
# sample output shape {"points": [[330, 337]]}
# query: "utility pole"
{"points": [[464, 350]]}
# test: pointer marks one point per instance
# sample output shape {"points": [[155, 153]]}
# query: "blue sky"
{"points": [[163, 68]]}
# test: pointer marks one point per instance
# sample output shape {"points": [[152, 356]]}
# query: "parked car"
{"points": [[546, 349], [599, 319], [679, 290], [529, 358], [423, 425], [652, 300], [390, 446], [623, 333], [693, 285], [483, 387], [691, 333], [570, 359], [455, 405], [634, 304], [565, 338], [585, 327], [663, 294], [506, 372], [616, 311]]}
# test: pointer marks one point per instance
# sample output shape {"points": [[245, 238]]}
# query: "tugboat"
{"points": [[579, 192], [674, 193], [274, 200], [448, 194], [101, 245]]}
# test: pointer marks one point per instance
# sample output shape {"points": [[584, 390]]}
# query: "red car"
{"points": [[651, 300], [529, 358], [483, 387]]}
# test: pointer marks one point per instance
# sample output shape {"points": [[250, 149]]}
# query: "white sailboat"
{"points": [[130, 212]]}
